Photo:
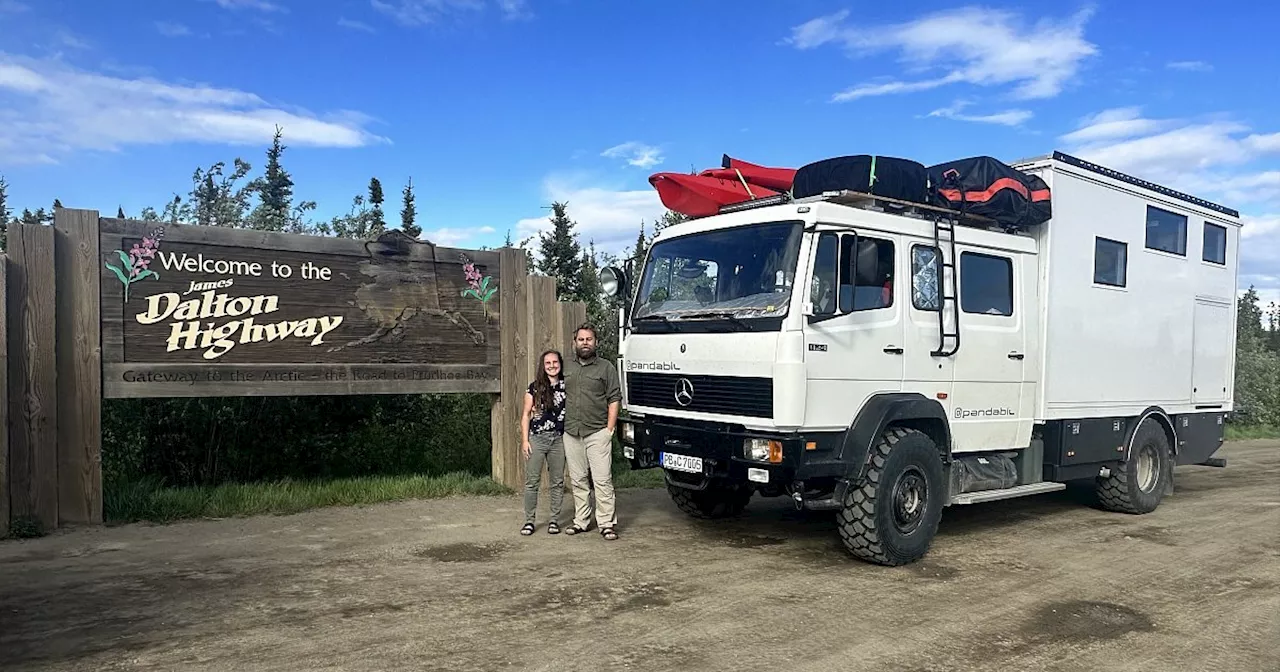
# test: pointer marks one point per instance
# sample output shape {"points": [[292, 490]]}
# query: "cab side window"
{"points": [[866, 276], [986, 284], [924, 277], [822, 290]]}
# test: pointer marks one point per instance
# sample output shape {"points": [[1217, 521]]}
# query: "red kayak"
{"points": [[703, 195], [779, 179]]}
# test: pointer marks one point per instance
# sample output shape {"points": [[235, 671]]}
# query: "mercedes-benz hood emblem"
{"points": [[684, 392]]}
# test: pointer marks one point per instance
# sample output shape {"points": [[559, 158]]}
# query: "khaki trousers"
{"points": [[591, 456]]}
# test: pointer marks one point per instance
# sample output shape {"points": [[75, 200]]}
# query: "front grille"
{"points": [[728, 395]]}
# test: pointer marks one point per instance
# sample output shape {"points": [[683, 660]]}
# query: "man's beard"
{"points": [[586, 353]]}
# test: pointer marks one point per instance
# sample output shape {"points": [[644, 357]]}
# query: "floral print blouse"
{"points": [[548, 420]]}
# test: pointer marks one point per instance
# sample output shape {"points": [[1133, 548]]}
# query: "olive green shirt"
{"points": [[589, 387]]}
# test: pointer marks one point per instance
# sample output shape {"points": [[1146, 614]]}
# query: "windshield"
{"points": [[737, 273]]}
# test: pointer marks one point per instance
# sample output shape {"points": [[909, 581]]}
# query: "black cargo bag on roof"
{"points": [[879, 175], [988, 187]]}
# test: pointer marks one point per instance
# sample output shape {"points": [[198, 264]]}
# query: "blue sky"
{"points": [[496, 107]]}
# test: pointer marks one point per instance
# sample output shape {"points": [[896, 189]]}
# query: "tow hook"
{"points": [[797, 494]]}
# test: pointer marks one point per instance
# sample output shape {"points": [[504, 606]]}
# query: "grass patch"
{"points": [[1251, 432], [149, 500], [640, 478]]}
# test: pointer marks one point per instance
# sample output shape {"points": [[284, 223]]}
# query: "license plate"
{"points": [[687, 463]]}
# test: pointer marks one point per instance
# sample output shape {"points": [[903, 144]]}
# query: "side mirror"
{"points": [[612, 280]]}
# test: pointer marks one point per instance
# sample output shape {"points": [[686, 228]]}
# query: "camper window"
{"points": [[1166, 231]]}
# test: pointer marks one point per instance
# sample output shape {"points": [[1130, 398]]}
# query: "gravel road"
{"points": [[1043, 583]]}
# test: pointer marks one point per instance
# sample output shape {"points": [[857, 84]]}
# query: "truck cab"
{"points": [[878, 359]]}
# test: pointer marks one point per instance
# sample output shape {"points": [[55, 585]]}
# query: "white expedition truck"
{"points": [[884, 359]]}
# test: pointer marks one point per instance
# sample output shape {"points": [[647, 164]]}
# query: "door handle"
{"points": [[892, 350], [1016, 355]]}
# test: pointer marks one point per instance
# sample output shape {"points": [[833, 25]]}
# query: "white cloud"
{"points": [[515, 9], [49, 109], [1190, 66], [1114, 124], [413, 13], [258, 5], [355, 25], [1005, 118], [71, 41], [1187, 155], [635, 154], [452, 237], [610, 217], [972, 45], [172, 29]]}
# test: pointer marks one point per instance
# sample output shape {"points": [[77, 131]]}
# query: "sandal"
{"points": [[574, 529], [527, 529], [553, 528], [608, 533]]}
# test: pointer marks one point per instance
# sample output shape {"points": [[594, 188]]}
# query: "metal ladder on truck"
{"points": [[946, 292]]}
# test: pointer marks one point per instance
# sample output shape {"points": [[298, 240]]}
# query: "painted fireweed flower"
{"points": [[134, 265], [478, 285]]}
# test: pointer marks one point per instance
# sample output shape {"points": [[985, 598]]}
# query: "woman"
{"points": [[542, 425]]}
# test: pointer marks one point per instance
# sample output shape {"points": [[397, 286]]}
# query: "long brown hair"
{"points": [[542, 394]]}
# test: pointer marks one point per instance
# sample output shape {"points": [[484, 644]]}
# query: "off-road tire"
{"points": [[715, 502], [867, 523], [1122, 490]]}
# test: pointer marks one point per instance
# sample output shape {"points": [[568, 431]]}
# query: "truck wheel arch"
{"points": [[1165, 422], [903, 409]]}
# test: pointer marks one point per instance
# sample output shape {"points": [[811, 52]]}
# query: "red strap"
{"points": [[989, 192]]}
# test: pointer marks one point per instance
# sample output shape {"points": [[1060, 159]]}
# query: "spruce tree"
{"points": [[561, 254], [57, 203], [120, 213], [4, 201], [275, 191], [409, 212], [378, 223]]}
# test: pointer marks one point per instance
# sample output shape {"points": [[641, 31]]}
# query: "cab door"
{"points": [[853, 338]]}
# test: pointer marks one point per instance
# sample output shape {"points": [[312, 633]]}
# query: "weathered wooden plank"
{"points": [[33, 403], [508, 462], [79, 358], [139, 381], [575, 315], [543, 321], [5, 487], [543, 327]]}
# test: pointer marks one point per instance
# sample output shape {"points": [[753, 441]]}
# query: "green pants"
{"points": [[548, 449]]}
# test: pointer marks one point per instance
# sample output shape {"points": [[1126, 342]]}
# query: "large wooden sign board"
{"points": [[110, 308], [207, 311]]}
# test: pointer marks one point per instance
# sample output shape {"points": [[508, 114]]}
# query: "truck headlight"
{"points": [[762, 450]]}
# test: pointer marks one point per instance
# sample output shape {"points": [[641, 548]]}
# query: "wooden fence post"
{"points": [[33, 402], [79, 356], [5, 488], [505, 418]]}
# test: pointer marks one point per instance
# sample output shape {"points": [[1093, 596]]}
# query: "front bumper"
{"points": [[719, 448]]}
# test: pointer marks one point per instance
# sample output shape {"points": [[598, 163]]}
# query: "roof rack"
{"points": [[864, 201], [1129, 179]]}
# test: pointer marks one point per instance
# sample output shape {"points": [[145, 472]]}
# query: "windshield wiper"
{"points": [[724, 314]]}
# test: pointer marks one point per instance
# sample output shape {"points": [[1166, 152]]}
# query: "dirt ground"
{"points": [[1043, 583]]}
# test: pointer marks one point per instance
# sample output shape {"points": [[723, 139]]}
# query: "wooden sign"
{"points": [[208, 311]]}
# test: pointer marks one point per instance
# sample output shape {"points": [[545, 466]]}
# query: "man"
{"points": [[594, 395]]}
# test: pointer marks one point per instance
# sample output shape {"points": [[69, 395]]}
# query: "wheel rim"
{"points": [[1148, 468], [910, 494]]}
